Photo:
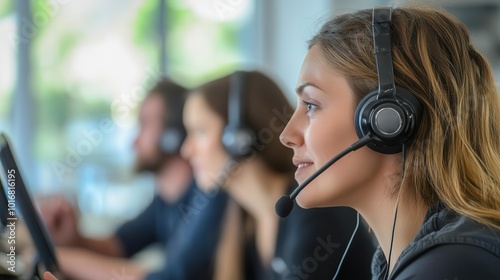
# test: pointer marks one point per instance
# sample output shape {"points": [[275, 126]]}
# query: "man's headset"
{"points": [[174, 133], [237, 137]]}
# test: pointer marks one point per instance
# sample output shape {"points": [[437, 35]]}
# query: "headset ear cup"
{"points": [[362, 113], [411, 103], [238, 141], [237, 137], [171, 140], [406, 111]]}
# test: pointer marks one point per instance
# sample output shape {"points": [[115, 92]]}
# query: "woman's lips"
{"points": [[303, 170], [305, 164]]}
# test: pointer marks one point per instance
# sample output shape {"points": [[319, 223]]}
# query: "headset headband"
{"points": [[381, 28]]}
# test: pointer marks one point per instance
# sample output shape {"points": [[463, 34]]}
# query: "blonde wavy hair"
{"points": [[455, 157]]}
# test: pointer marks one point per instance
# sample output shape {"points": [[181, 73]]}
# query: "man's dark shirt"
{"points": [[188, 230]]}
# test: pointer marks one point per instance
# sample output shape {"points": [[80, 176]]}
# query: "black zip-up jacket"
{"points": [[448, 246]]}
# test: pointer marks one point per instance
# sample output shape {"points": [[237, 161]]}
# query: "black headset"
{"points": [[237, 137], [389, 114], [174, 133]]}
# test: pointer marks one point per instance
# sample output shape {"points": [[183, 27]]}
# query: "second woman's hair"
{"points": [[266, 112]]}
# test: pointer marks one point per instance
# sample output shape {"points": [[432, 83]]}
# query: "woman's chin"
{"points": [[305, 201], [311, 198]]}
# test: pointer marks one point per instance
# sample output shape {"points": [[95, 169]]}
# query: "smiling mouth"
{"points": [[302, 171], [302, 165]]}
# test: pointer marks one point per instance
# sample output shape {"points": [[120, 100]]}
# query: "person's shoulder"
{"points": [[451, 227], [453, 261], [156, 203], [201, 201]]}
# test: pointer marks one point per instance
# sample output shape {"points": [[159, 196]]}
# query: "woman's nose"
{"points": [[291, 136]]}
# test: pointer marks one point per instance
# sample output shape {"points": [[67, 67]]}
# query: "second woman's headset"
{"points": [[390, 114], [237, 137]]}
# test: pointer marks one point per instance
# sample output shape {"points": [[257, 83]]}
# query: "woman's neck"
{"points": [[379, 210]]}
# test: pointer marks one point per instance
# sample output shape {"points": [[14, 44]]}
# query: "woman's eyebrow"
{"points": [[300, 89]]}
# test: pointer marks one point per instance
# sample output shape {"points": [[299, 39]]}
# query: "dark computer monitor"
{"points": [[41, 239]]}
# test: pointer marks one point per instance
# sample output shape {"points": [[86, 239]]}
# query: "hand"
{"points": [[60, 219], [48, 276]]}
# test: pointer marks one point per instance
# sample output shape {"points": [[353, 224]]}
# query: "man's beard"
{"points": [[151, 164]]}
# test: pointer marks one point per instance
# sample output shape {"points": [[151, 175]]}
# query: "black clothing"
{"points": [[310, 244], [312, 241], [188, 229], [447, 246]]}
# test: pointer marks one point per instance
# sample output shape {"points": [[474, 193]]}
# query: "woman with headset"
{"points": [[233, 125], [428, 184]]}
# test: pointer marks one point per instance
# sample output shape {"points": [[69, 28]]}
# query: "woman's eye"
{"points": [[310, 107]]}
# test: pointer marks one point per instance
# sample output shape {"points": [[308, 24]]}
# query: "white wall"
{"points": [[281, 29], [286, 26]]}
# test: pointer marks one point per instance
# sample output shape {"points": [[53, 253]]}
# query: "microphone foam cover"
{"points": [[284, 206]]}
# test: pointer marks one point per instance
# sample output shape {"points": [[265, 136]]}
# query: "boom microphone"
{"points": [[284, 205]]}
